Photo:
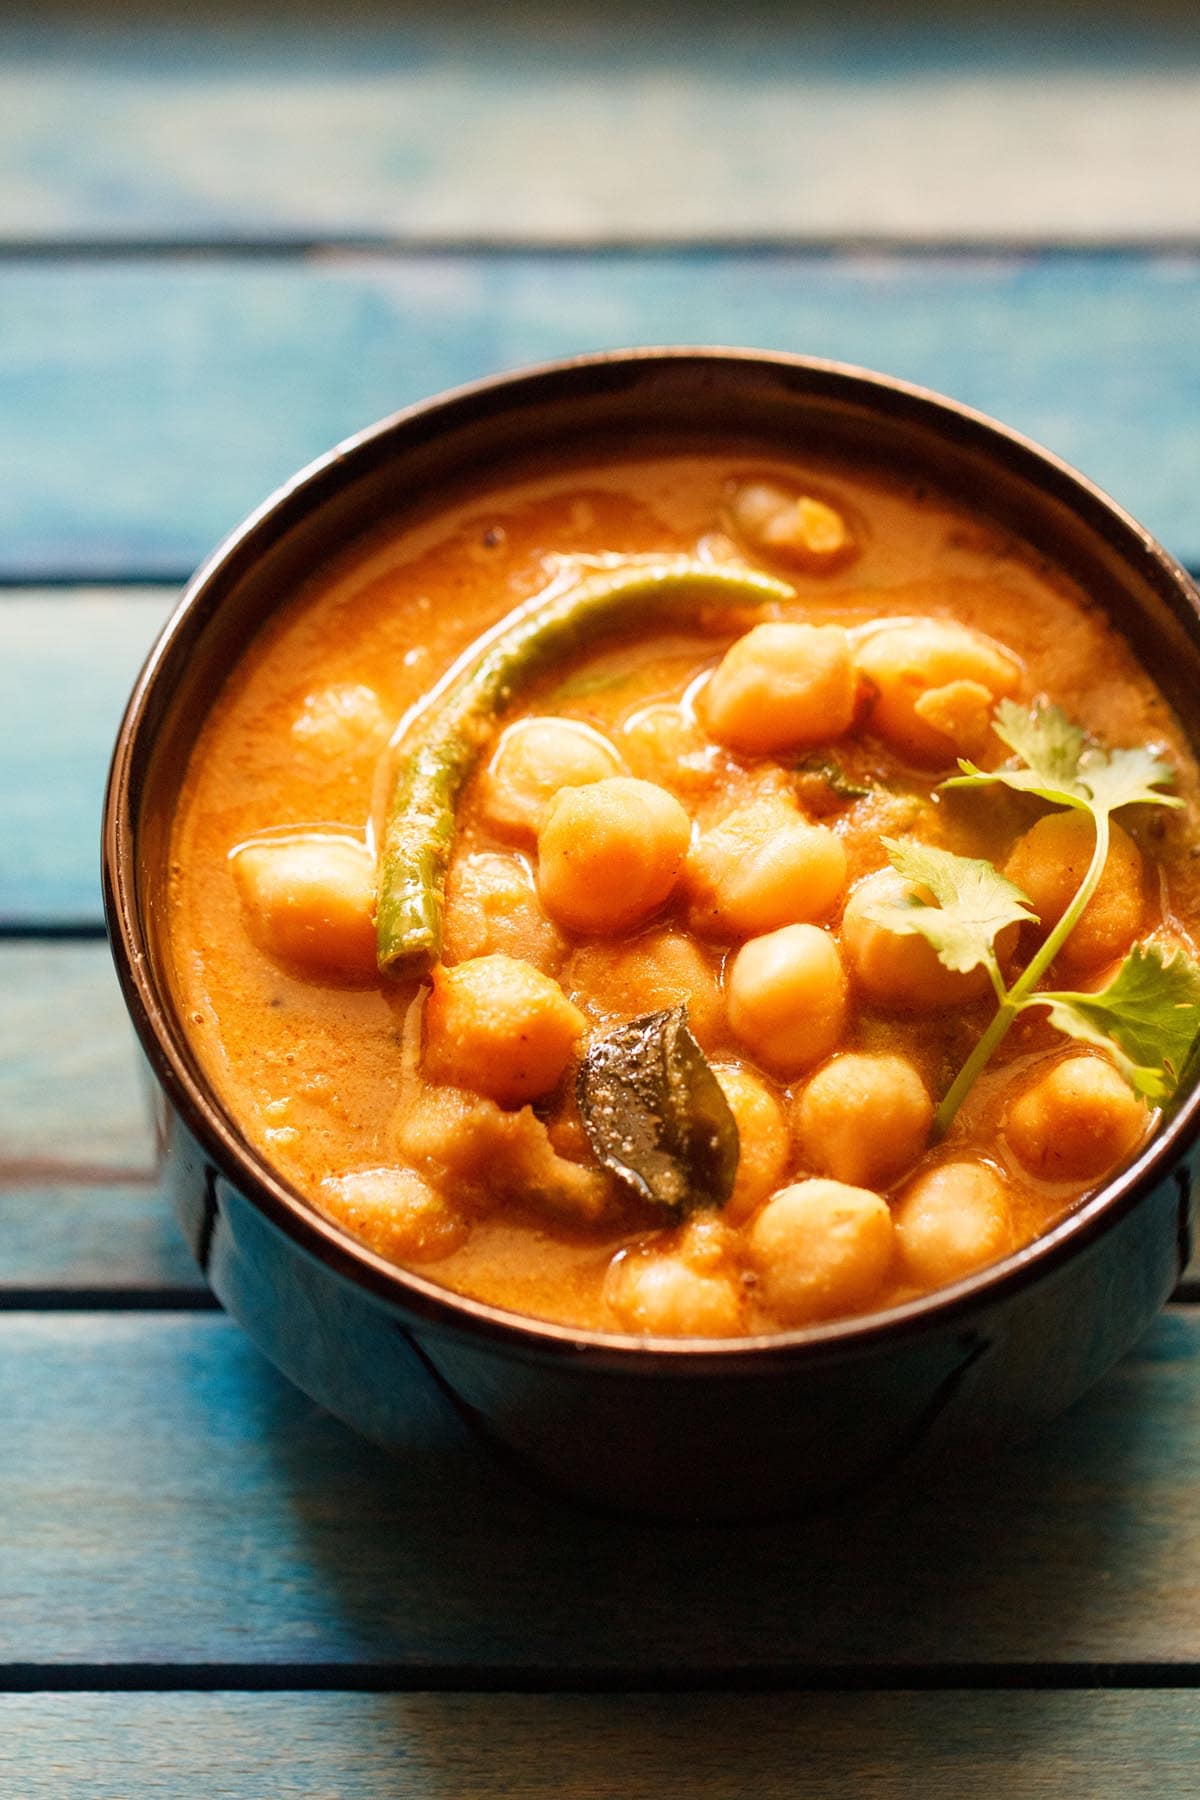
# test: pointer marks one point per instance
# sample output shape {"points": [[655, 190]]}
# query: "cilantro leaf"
{"points": [[1147, 1017], [1123, 777], [1045, 740], [974, 902], [1062, 767], [1022, 781]]}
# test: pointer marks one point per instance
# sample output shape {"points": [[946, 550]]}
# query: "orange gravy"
{"points": [[310, 1069]]}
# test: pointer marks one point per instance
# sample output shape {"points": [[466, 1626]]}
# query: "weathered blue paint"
{"points": [[164, 1495], [168, 1498], [676, 120], [109, 1236], [145, 408], [72, 1093], [66, 667]]}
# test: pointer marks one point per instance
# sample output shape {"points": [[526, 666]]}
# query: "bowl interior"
{"points": [[576, 410]]}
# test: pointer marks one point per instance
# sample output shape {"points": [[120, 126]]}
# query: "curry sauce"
{"points": [[692, 811]]}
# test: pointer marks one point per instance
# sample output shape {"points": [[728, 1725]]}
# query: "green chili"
{"points": [[446, 739]]}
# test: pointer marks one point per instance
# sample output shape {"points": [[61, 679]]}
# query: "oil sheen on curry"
{"points": [[691, 897]]}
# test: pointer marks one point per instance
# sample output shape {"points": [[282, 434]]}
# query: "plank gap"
{"points": [[72, 930], [101, 1300], [817, 245], [22, 587], [390, 1677]]}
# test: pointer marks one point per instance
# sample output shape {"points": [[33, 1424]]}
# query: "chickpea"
{"points": [[618, 981], [820, 1248], [395, 1213], [782, 686], [787, 997], [491, 905], [707, 1242], [491, 1155], [1049, 863], [951, 1220], [761, 867], [898, 969], [533, 760], [1075, 1122], [499, 1027], [610, 854], [762, 1137], [662, 744], [805, 530], [346, 719], [935, 683], [864, 1119], [662, 1294], [961, 712], [310, 901]]}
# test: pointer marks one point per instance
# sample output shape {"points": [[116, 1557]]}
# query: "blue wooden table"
{"points": [[223, 245]]}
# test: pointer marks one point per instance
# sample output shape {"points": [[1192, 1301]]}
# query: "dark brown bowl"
{"points": [[678, 1429]]}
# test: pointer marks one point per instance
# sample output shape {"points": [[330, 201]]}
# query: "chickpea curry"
{"points": [[691, 896]]}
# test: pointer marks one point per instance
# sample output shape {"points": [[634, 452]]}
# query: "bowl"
{"points": [[674, 1429]]}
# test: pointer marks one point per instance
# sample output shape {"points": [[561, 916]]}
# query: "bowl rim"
{"points": [[192, 1094]]}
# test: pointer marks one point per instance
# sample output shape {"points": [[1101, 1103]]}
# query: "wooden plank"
{"points": [[97, 1238], [67, 663], [912, 1746], [79, 1208], [168, 1499], [672, 122], [72, 1096], [145, 407]]}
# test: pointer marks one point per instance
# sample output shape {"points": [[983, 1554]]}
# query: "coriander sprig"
{"points": [[973, 902], [1148, 1015], [1061, 766], [1145, 1017]]}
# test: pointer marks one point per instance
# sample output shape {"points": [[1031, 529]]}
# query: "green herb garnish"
{"points": [[974, 902], [1148, 1015], [834, 777], [1146, 1018], [1061, 766]]}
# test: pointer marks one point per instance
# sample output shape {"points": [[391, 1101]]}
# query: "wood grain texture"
{"points": [[79, 1207], [67, 664], [906, 1746], [98, 1238], [72, 1095], [169, 1499], [563, 124], [145, 407]]}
